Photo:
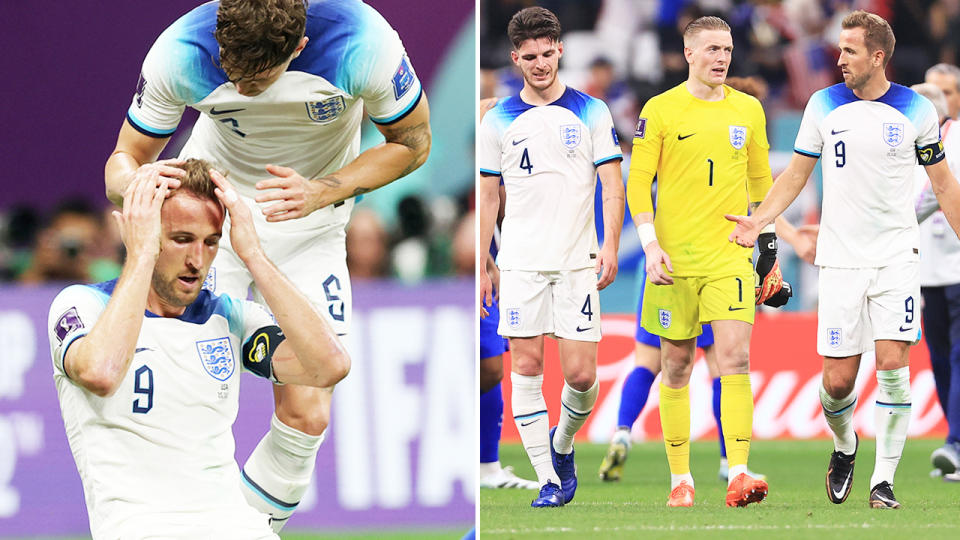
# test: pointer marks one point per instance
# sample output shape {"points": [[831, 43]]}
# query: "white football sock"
{"points": [[839, 416], [675, 480], [623, 437], [279, 470], [530, 414], [575, 407], [891, 417]]}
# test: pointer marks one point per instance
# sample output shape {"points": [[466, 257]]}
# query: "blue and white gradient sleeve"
{"points": [[72, 315], [606, 145], [809, 139], [390, 88], [156, 108]]}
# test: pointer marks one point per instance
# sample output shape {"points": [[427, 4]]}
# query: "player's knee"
{"points": [[838, 385], [312, 420], [582, 380]]}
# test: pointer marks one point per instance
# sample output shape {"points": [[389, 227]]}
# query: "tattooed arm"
{"points": [[405, 149]]}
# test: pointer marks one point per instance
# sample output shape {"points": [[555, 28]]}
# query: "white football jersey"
{"points": [[157, 456], [309, 119], [548, 157], [869, 151], [939, 245]]}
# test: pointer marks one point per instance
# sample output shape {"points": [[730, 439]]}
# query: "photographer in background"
{"points": [[65, 247]]}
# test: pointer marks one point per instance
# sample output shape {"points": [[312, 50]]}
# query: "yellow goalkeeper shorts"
{"points": [[677, 311]]}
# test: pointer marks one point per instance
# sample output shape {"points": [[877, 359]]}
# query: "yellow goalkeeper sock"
{"points": [[736, 418], [675, 420]]}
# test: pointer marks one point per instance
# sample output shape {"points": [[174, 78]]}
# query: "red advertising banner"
{"points": [[785, 374]]}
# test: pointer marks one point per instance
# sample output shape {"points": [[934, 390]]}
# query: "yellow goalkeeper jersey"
{"points": [[710, 159]]}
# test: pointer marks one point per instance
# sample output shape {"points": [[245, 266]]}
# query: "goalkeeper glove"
{"points": [[769, 280]]}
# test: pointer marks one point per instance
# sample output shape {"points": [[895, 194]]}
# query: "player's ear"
{"points": [[300, 46], [515, 56], [559, 49]]}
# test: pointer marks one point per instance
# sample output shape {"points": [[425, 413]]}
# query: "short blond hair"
{"points": [[700, 24], [877, 34]]}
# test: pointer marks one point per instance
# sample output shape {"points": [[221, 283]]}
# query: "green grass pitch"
{"points": [[797, 506]]}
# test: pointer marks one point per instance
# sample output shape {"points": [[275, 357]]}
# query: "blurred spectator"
{"points": [[64, 248], [366, 246], [464, 243], [18, 231], [604, 85]]}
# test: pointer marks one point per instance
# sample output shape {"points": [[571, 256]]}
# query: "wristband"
{"points": [[647, 234], [769, 228]]}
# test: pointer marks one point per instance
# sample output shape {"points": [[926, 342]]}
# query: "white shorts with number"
{"points": [[564, 304], [861, 305], [315, 263]]}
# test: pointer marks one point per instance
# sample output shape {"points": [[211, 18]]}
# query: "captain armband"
{"points": [[258, 351], [930, 154]]}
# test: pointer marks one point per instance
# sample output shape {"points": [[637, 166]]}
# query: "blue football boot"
{"points": [[550, 495], [566, 469]]}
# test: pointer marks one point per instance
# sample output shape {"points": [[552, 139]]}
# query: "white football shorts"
{"points": [[563, 304], [315, 261], [861, 305]]}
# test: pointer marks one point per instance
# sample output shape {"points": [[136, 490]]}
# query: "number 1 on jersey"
{"points": [[525, 162], [710, 161]]}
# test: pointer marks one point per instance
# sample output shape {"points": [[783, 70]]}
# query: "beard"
{"points": [[166, 289], [856, 82]]}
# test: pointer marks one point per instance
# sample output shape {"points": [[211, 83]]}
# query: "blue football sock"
{"points": [[952, 411], [716, 415], [633, 397], [940, 363], [491, 419]]}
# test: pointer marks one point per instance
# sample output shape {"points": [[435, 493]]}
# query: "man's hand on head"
{"points": [[165, 169], [243, 235], [139, 220]]}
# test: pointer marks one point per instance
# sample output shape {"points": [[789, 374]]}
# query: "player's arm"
{"points": [[785, 189], [136, 150], [803, 243], [99, 361], [947, 191], [311, 353], [405, 149], [647, 143], [488, 205], [611, 181]]}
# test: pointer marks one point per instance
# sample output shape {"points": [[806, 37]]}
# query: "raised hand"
{"points": [[139, 220], [290, 190], [746, 232], [165, 171], [243, 235]]}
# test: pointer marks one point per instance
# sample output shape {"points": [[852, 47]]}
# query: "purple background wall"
{"points": [[69, 71], [400, 452]]}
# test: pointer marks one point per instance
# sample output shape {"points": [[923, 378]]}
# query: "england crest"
{"points": [[570, 135], [665, 318], [216, 355], [892, 133], [326, 111], [835, 336], [738, 136], [513, 318]]}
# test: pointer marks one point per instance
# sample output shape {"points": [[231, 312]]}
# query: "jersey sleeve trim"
{"points": [[148, 131], [402, 114], [608, 159], [489, 172], [66, 347], [806, 153]]}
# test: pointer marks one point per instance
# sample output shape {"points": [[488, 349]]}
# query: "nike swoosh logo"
{"points": [[528, 423], [584, 329], [682, 137], [520, 141], [677, 444], [731, 308], [743, 440], [835, 132], [215, 112], [141, 349], [843, 488], [902, 329]]}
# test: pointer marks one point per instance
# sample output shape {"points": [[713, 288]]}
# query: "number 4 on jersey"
{"points": [[525, 162]]}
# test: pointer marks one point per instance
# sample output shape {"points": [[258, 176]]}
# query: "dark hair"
{"points": [[533, 23], [877, 34], [255, 35], [197, 179]]}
